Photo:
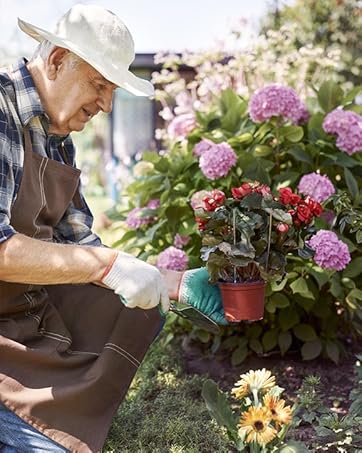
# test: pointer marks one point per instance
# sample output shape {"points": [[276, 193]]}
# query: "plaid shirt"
{"points": [[20, 106]]}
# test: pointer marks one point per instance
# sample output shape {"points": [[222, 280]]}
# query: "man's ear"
{"points": [[55, 61]]}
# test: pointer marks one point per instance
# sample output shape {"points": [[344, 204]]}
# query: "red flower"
{"points": [[215, 200], [201, 223], [286, 196], [240, 192], [263, 189], [315, 207], [282, 227], [304, 212]]}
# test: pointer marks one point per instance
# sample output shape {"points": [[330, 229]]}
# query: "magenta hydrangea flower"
{"points": [[181, 126], [181, 240], [330, 252], [153, 204], [217, 161], [317, 186], [347, 126], [197, 197], [202, 146], [277, 100], [173, 259], [135, 218]]}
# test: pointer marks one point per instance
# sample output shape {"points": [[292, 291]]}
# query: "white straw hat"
{"points": [[101, 39]]}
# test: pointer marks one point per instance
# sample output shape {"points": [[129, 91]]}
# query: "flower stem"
{"points": [[269, 240]]}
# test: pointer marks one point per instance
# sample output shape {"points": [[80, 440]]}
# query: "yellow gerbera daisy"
{"points": [[280, 413], [255, 426], [256, 380], [239, 391]]}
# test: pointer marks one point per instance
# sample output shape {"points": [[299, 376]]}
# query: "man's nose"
{"points": [[105, 101]]}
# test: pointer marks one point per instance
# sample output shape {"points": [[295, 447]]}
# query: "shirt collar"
{"points": [[27, 97]]}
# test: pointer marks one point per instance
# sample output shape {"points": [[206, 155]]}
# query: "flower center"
{"points": [[259, 425]]}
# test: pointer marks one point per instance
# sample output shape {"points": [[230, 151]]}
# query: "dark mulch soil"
{"points": [[336, 380]]}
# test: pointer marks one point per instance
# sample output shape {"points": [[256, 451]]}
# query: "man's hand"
{"points": [[192, 288], [137, 283]]}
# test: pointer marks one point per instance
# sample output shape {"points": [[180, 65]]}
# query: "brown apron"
{"points": [[68, 353]]}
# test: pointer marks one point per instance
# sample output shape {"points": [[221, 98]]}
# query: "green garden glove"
{"points": [[196, 291]]}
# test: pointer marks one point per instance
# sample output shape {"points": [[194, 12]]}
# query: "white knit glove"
{"points": [[137, 283]]}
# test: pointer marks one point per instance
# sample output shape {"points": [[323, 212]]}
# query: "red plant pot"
{"points": [[243, 301]]}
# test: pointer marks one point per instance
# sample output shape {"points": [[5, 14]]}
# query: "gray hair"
{"points": [[44, 49]]}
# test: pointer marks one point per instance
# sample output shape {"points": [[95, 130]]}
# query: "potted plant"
{"points": [[246, 238]]}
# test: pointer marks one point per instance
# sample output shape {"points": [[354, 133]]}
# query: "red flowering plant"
{"points": [[246, 237]]}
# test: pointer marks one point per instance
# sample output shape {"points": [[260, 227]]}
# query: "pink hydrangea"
{"points": [[173, 259], [153, 204], [347, 126], [181, 240], [136, 219], [330, 252], [181, 126], [202, 146], [277, 100], [196, 199], [317, 186], [217, 161]]}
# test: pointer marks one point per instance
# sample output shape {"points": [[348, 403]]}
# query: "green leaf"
{"points": [[288, 317], [292, 133], [280, 300], [125, 238], [239, 355], [332, 351], [354, 268], [284, 341], [233, 108], [270, 340], [300, 155], [305, 332], [351, 95], [300, 286], [218, 405], [262, 150], [351, 182], [330, 96], [293, 446], [279, 214], [311, 349], [255, 346]]}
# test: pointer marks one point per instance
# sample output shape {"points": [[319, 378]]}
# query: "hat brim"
{"points": [[119, 76]]}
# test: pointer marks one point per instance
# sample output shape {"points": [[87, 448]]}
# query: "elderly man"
{"points": [[76, 318]]}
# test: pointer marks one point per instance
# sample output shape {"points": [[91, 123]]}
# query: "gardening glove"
{"points": [[137, 283], [195, 290]]}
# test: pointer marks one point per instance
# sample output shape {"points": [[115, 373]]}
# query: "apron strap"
{"points": [[77, 199], [27, 140]]}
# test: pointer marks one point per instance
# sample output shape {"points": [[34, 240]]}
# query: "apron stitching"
{"points": [[56, 336], [70, 351], [28, 313], [123, 352], [42, 168]]}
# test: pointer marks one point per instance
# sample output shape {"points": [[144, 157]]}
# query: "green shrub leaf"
{"points": [[330, 96], [311, 349], [304, 332]]}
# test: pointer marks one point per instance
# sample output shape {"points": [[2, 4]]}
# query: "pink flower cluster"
{"points": [[216, 159], [330, 252], [181, 126], [136, 217], [317, 186], [197, 199], [277, 100], [347, 125], [173, 259], [181, 240]]}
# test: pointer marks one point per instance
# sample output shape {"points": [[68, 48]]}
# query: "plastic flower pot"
{"points": [[243, 301]]}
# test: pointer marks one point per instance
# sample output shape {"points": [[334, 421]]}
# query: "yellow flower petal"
{"points": [[255, 424], [280, 413]]}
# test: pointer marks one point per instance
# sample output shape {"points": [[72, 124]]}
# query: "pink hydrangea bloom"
{"points": [[135, 218], [202, 146], [153, 204], [347, 126], [317, 186], [217, 161], [196, 199], [277, 100], [181, 240], [181, 126], [173, 259], [330, 252]]}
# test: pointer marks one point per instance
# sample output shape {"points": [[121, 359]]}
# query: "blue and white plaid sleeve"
{"points": [[8, 179]]}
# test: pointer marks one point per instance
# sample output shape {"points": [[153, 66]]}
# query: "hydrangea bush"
{"points": [[273, 138]]}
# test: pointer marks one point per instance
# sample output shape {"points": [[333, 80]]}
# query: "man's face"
{"points": [[76, 94]]}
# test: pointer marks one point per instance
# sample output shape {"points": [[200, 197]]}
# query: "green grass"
{"points": [[164, 411]]}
